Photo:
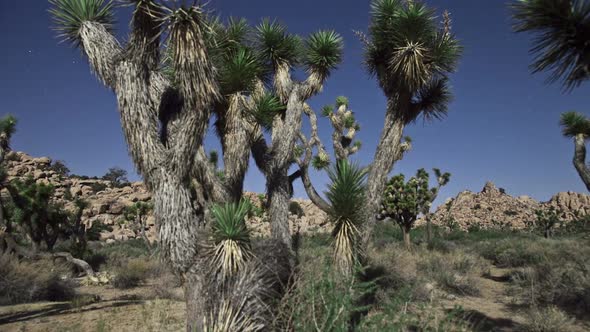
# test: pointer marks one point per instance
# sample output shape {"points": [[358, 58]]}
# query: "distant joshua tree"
{"points": [[404, 201], [576, 125]]}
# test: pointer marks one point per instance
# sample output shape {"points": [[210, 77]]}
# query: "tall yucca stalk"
{"points": [[411, 55], [345, 196], [231, 238], [577, 126], [561, 29]]}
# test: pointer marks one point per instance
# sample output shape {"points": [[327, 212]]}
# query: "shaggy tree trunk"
{"points": [[580, 160], [406, 233], [278, 189], [196, 297], [428, 227], [236, 146], [388, 151]]}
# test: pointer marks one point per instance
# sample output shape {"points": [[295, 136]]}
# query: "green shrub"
{"points": [[22, 281]]}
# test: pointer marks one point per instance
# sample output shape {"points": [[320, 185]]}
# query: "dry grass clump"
{"points": [[135, 272], [23, 281], [549, 319], [454, 271]]}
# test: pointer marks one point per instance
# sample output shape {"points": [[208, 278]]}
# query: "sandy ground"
{"points": [[117, 310]]}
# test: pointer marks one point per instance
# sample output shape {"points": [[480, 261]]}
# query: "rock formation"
{"points": [[493, 207], [107, 203]]}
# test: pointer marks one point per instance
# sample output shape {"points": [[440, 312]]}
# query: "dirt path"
{"points": [[494, 309]]}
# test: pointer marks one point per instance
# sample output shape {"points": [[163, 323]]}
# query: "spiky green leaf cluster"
{"points": [[320, 161], [324, 52], [561, 29], [69, 15], [432, 100], [407, 49], [346, 191], [276, 45], [327, 110], [349, 121], [239, 71], [230, 222], [574, 123], [341, 101], [266, 108]]}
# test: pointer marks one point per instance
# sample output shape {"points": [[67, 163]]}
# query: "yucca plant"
{"points": [[577, 126], [231, 238], [345, 196], [560, 46], [411, 55]]}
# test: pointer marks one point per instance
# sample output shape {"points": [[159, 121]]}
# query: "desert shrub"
{"points": [[455, 272], [98, 186], [296, 209], [22, 281], [550, 319], [562, 280], [513, 252], [323, 299], [399, 314], [134, 272], [118, 253]]}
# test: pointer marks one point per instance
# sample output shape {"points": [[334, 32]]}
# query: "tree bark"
{"points": [[580, 160], [388, 152], [407, 241], [196, 296], [428, 228], [278, 197]]}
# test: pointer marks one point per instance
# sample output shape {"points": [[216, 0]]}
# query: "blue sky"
{"points": [[502, 125]]}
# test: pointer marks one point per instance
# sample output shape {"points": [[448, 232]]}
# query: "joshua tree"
{"points": [[34, 212], [441, 181], [137, 214], [7, 129], [561, 43], [411, 57], [165, 106], [404, 201], [319, 54], [576, 125], [345, 196], [546, 221]]}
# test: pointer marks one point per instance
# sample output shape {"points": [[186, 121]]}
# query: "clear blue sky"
{"points": [[502, 125]]}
